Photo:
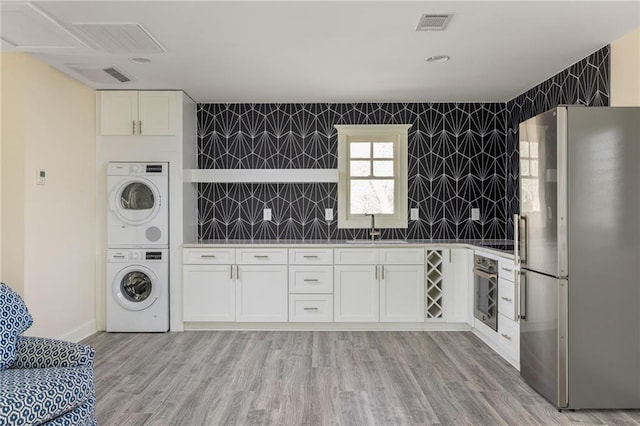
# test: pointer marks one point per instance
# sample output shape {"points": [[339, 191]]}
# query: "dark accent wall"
{"points": [[457, 160], [461, 155], [585, 82]]}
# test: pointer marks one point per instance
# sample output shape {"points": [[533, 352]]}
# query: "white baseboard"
{"points": [[79, 333], [439, 326]]}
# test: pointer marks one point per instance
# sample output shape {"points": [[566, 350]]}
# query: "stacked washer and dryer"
{"points": [[137, 284]]}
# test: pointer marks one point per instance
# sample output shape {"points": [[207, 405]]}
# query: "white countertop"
{"points": [[502, 248]]}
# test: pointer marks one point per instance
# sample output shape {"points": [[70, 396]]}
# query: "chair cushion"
{"points": [[35, 396], [14, 320]]}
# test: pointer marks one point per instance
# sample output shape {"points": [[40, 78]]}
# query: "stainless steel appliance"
{"points": [[485, 285], [579, 249]]}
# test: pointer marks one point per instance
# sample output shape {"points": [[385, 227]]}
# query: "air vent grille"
{"points": [[127, 38], [434, 22], [117, 75]]}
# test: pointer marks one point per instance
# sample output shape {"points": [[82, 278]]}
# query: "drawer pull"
{"points": [[308, 256], [507, 269], [506, 299], [506, 336], [208, 256], [310, 309], [261, 256], [311, 280]]}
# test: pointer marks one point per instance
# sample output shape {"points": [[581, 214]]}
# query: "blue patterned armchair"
{"points": [[42, 381]]}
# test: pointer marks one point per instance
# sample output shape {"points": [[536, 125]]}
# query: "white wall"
{"points": [[625, 70], [52, 127]]}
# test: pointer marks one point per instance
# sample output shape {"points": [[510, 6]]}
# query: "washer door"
{"points": [[136, 201], [136, 288]]}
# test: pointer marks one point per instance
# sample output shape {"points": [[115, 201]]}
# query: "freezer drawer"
{"points": [[542, 356]]}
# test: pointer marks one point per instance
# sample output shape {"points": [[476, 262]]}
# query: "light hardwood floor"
{"points": [[316, 378]]}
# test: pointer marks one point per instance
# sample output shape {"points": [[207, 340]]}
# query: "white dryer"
{"points": [[137, 290], [138, 213]]}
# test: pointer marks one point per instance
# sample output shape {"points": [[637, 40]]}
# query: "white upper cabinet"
{"points": [[132, 112]]}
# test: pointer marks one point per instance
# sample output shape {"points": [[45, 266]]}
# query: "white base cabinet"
{"points": [[209, 293], [402, 293], [356, 293], [261, 293]]}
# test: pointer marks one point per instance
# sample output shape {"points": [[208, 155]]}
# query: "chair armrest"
{"points": [[40, 352]]}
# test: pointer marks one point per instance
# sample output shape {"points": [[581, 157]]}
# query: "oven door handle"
{"points": [[484, 274]]}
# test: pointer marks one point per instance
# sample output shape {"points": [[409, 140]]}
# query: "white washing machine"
{"points": [[138, 213], [137, 290]]}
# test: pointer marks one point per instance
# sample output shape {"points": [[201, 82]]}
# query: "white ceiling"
{"points": [[337, 51]]}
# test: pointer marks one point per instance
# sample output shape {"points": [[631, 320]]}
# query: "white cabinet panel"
{"points": [[261, 293], [507, 299], [401, 256], [354, 256], [402, 293], [507, 269], [310, 279], [157, 111], [509, 337], [261, 256], [310, 308], [208, 293], [311, 256], [196, 256], [119, 112], [356, 294]]}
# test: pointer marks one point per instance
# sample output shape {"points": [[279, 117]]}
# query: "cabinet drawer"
{"points": [[509, 337], [507, 299], [311, 256], [208, 256], [402, 256], [507, 269], [310, 308], [261, 256], [311, 279], [349, 256]]}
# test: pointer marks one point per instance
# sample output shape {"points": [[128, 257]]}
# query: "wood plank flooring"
{"points": [[316, 378]]}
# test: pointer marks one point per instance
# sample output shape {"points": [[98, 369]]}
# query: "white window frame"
{"points": [[397, 133]]}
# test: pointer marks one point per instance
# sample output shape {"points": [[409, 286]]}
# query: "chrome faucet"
{"points": [[373, 233]]}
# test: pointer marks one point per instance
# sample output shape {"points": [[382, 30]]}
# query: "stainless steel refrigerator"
{"points": [[578, 241]]}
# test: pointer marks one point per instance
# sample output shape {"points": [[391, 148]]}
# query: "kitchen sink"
{"points": [[376, 242]]}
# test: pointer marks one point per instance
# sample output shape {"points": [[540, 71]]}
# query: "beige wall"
{"points": [[625, 70], [48, 232]]}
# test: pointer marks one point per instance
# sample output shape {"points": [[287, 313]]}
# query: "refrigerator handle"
{"points": [[523, 236], [522, 302]]}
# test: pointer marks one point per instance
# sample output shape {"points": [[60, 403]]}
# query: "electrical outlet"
{"points": [[475, 214], [266, 215], [328, 214], [415, 214]]}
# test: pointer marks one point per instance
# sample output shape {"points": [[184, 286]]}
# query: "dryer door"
{"points": [[136, 201], [136, 288]]}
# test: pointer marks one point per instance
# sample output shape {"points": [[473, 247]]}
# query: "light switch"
{"points": [[415, 214], [475, 214], [266, 215], [328, 214]]}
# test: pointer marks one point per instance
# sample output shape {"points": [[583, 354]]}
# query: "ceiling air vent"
{"points": [[124, 38], [102, 75], [434, 22]]}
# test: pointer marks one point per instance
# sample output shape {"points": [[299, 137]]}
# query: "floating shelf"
{"points": [[261, 175]]}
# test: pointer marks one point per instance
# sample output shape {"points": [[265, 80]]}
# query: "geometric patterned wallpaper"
{"points": [[456, 161], [461, 155], [585, 82]]}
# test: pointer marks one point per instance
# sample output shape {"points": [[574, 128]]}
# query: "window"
{"points": [[372, 170]]}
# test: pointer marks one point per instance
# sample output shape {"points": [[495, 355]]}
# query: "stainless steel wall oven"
{"points": [[485, 279]]}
